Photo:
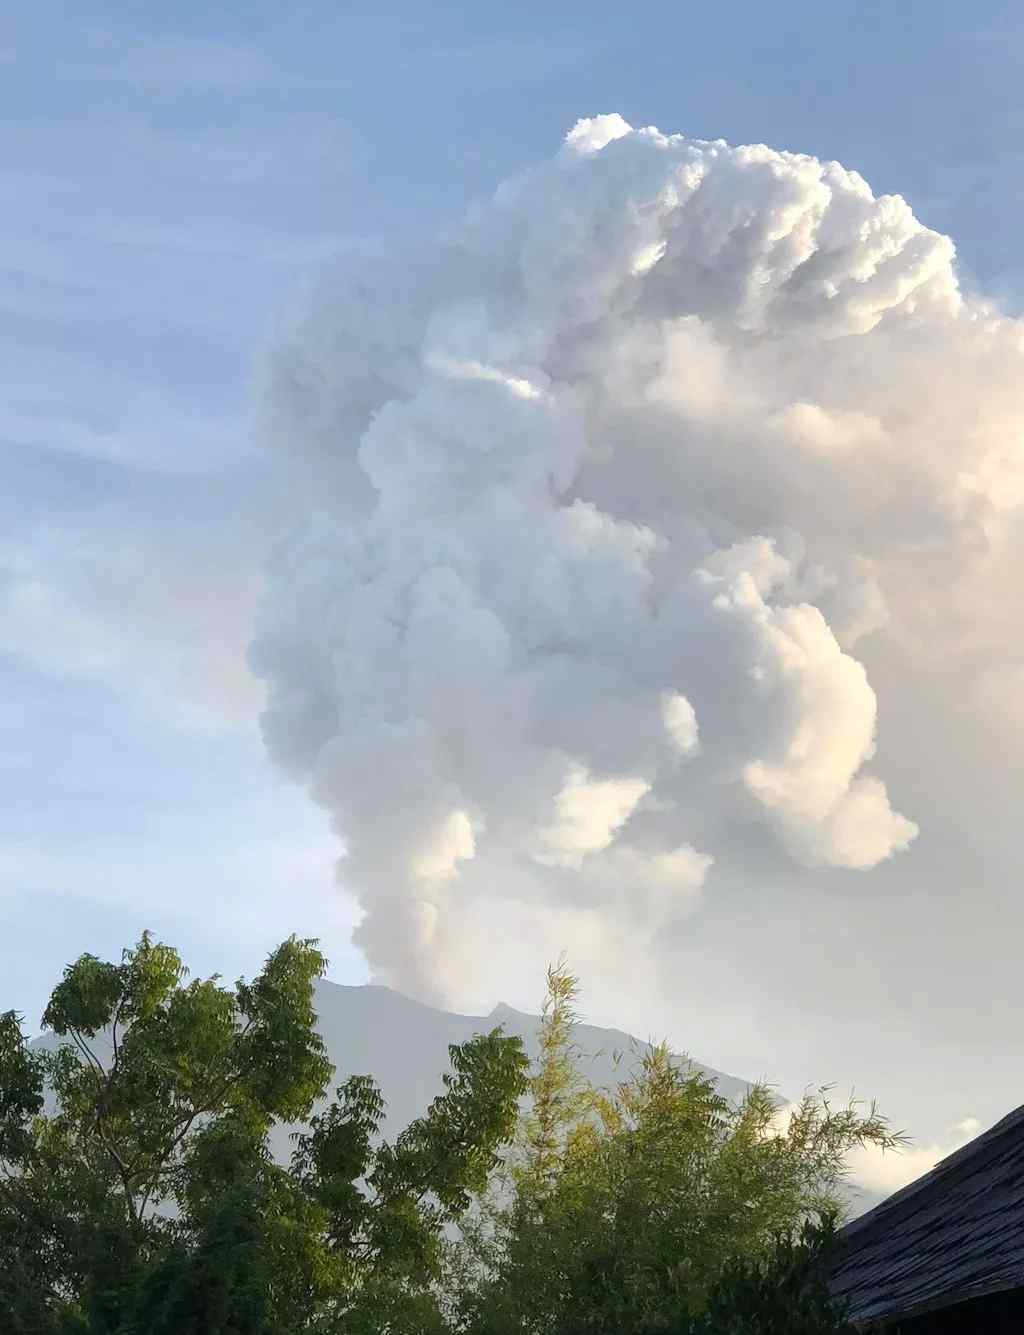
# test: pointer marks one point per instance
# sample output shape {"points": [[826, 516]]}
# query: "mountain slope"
{"points": [[403, 1044], [371, 1030]]}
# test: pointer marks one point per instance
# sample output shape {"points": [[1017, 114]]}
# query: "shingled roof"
{"points": [[954, 1234]]}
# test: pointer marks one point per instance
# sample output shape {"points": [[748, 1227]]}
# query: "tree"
{"points": [[145, 1200], [148, 1200], [642, 1208], [780, 1292]]}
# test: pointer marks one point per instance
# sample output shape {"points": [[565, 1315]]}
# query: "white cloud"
{"points": [[815, 725], [591, 134], [666, 434], [680, 722], [588, 815], [887, 1171]]}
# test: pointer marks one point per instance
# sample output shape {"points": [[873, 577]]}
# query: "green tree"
{"points": [[147, 1202], [635, 1209], [780, 1291]]}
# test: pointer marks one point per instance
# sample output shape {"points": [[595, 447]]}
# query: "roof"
{"points": [[954, 1234]]}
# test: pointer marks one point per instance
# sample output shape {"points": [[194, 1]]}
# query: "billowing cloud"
{"points": [[609, 486], [886, 1171], [588, 816]]}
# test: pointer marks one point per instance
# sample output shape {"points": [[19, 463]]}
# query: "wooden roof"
{"points": [[954, 1234]]}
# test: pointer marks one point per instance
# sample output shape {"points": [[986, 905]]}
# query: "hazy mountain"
{"points": [[403, 1044]]}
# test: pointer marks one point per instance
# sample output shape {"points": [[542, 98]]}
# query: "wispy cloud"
{"points": [[167, 626], [181, 448], [175, 61], [127, 148], [210, 238], [224, 897]]}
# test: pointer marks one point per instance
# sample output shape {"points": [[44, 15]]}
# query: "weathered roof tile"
{"points": [[956, 1233]]}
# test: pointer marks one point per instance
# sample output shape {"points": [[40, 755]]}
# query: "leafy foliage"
{"points": [[637, 1208], [145, 1199], [782, 1292], [148, 1200]]}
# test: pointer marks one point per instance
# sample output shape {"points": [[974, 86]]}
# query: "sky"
{"points": [[177, 183]]}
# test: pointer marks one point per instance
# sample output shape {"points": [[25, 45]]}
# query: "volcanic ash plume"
{"points": [[608, 483]]}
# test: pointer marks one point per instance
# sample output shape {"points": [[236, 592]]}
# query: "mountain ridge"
{"points": [[371, 1029], [351, 1052]]}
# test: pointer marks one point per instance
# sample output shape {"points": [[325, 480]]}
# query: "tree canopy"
{"points": [[646, 1207], [148, 1200], [139, 1194]]}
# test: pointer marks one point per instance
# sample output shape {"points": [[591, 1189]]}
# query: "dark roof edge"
{"points": [[949, 1301]]}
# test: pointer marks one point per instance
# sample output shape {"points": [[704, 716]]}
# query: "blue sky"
{"points": [[169, 173]]}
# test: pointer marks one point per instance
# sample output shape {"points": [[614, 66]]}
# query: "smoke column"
{"points": [[610, 484]]}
